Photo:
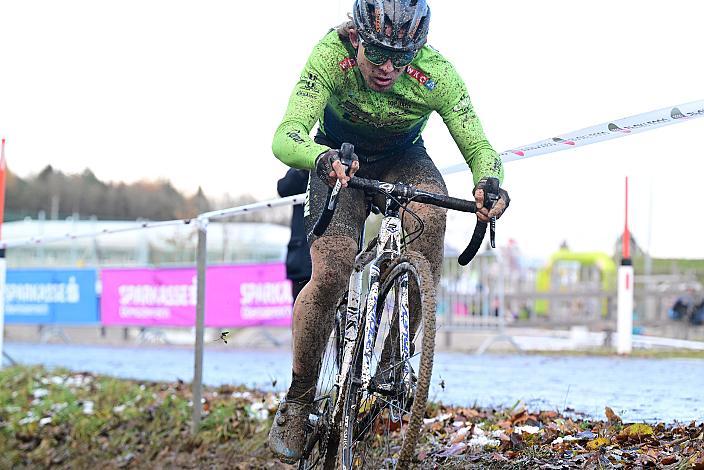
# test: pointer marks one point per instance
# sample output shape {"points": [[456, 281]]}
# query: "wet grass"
{"points": [[62, 419]]}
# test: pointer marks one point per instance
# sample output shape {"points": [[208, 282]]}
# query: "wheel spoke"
{"points": [[323, 403]]}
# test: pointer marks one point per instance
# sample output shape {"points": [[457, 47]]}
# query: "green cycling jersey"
{"points": [[332, 92]]}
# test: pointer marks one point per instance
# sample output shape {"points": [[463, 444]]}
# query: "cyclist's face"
{"points": [[379, 78]]}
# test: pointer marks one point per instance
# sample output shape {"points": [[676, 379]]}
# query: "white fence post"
{"points": [[624, 322], [202, 262]]}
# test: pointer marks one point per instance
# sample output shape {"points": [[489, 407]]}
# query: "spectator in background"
{"points": [[298, 267]]}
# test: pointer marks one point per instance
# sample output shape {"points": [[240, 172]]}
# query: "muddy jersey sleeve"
{"points": [[292, 142], [451, 100]]}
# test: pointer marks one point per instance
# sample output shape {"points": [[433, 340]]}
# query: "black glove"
{"points": [[326, 171], [499, 206]]}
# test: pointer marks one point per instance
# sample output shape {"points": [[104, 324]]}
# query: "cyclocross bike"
{"points": [[375, 371]]}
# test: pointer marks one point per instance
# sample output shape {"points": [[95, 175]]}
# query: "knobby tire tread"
{"points": [[417, 266]]}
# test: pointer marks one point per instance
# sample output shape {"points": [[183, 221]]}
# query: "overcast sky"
{"points": [[193, 91]]}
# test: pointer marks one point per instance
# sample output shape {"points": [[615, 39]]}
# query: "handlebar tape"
{"points": [[474, 244], [346, 152]]}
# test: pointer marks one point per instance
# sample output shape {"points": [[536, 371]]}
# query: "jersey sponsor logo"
{"points": [[422, 78], [497, 165], [356, 114], [296, 137], [310, 82], [347, 63]]}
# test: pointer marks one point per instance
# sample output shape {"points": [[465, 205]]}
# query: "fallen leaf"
{"points": [[469, 413], [598, 443], [440, 418], [454, 449], [611, 416], [516, 441], [519, 417], [460, 435], [636, 431], [437, 426], [586, 435], [548, 415], [698, 461]]}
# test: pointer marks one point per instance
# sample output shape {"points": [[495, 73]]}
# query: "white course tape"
{"points": [[590, 135], [606, 131], [12, 243], [219, 214], [254, 207]]}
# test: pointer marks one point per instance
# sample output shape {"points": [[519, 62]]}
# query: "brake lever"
{"points": [[491, 196], [346, 151]]}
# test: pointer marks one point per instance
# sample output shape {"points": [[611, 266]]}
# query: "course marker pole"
{"points": [[626, 281]]}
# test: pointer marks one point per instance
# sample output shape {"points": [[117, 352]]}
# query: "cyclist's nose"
{"points": [[387, 67]]}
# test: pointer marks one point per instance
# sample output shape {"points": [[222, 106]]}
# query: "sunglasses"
{"points": [[379, 55]]}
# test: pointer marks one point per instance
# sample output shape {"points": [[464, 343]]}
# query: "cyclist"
{"points": [[373, 82]]}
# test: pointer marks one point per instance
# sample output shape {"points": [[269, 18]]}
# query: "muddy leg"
{"points": [[313, 312]]}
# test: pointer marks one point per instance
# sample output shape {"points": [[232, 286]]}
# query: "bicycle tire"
{"points": [[354, 431], [323, 448]]}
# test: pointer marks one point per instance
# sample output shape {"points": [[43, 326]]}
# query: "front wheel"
{"points": [[322, 435], [381, 423]]}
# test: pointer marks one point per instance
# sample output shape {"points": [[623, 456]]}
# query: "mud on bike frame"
{"points": [[352, 372]]}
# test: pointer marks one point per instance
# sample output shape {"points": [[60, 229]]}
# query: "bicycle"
{"points": [[373, 383]]}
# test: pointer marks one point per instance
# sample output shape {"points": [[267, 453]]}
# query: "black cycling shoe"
{"points": [[287, 436]]}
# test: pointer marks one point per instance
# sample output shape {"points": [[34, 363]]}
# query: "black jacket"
{"points": [[298, 267]]}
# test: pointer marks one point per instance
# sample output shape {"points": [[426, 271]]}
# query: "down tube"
{"points": [[371, 324], [351, 323], [404, 330]]}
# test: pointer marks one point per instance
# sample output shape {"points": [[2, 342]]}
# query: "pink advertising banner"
{"points": [[235, 296]]}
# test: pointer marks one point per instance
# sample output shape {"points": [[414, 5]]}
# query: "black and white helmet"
{"points": [[408, 19]]}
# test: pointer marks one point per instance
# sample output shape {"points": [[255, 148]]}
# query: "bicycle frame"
{"points": [[389, 246]]}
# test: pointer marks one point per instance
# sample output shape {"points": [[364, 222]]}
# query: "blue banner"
{"points": [[51, 296]]}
